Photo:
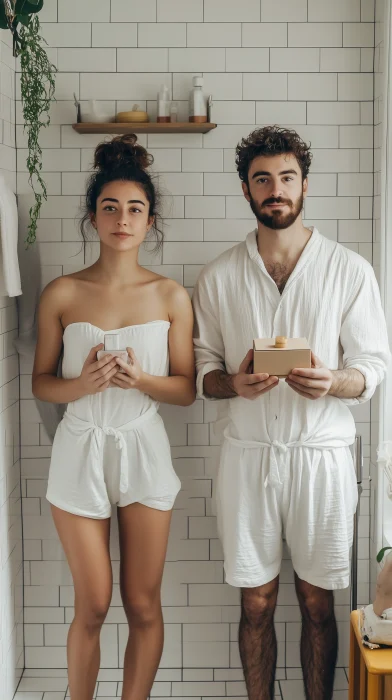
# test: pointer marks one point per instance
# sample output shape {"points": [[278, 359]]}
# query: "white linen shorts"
{"points": [[91, 470], [312, 509]]}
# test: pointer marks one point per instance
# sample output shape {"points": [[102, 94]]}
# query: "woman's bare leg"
{"points": [[144, 534], [86, 545]]}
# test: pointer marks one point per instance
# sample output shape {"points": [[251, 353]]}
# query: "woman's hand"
{"points": [[132, 376], [97, 375]]}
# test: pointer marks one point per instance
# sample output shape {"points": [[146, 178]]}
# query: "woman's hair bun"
{"points": [[121, 152]]}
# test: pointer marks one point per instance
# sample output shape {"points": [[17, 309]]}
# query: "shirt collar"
{"points": [[306, 255]]}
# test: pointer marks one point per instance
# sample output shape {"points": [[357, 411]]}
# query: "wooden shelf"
{"points": [[143, 128]]}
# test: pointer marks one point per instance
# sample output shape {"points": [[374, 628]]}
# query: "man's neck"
{"points": [[281, 250], [283, 244]]}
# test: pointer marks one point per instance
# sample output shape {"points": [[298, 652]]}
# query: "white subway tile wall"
{"points": [[11, 550], [308, 66]]}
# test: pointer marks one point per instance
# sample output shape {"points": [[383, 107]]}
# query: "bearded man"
{"points": [[286, 468]]}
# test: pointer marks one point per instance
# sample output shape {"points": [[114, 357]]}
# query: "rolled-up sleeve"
{"points": [[208, 341], [364, 336]]}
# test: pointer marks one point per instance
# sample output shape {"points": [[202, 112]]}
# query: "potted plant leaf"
{"points": [[37, 88], [384, 584], [381, 553]]}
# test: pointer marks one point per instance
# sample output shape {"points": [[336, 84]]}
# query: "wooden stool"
{"points": [[370, 673]]}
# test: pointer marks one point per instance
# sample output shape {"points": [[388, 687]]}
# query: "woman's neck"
{"points": [[117, 268]]}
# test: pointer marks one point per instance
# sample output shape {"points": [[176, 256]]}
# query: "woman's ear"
{"points": [[150, 223], [92, 221]]}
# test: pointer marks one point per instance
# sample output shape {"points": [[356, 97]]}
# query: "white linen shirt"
{"points": [[331, 298]]}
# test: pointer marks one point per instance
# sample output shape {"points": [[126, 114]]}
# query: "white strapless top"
{"points": [[116, 406]]}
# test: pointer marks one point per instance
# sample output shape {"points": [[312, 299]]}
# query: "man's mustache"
{"points": [[276, 201]]}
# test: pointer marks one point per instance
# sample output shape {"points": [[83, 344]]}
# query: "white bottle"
{"points": [[174, 112], [112, 347], [163, 113], [197, 101]]}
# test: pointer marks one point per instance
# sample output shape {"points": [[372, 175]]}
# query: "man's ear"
{"points": [[245, 190], [305, 186]]}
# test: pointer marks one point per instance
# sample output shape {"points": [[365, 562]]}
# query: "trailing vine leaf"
{"points": [[37, 88], [381, 553], [6, 14], [37, 91], [24, 19]]}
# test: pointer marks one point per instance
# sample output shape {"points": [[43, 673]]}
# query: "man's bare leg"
{"points": [[257, 639], [319, 640]]}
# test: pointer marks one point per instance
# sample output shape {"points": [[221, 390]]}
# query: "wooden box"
{"points": [[279, 356]]}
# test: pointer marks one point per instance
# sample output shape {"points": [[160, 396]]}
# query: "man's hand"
{"points": [[251, 386], [311, 383]]}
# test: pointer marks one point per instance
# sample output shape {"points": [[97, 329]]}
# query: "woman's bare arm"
{"points": [[179, 388], [46, 385]]}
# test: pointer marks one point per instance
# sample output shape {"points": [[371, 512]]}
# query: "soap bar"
{"points": [[116, 353], [112, 346], [279, 356]]}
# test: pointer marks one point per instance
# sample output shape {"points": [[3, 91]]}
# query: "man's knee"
{"points": [[317, 604], [259, 603]]}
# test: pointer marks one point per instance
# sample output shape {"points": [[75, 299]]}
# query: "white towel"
{"points": [[30, 265], [384, 456], [375, 630], [9, 266]]}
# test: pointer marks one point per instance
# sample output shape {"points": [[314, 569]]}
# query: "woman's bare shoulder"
{"points": [[68, 284], [177, 300], [171, 289], [59, 294], [60, 286]]}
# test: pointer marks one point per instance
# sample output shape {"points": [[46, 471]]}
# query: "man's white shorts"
{"points": [[312, 509]]}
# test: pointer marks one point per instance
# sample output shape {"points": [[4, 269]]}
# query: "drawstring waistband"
{"points": [[278, 448], [98, 434]]}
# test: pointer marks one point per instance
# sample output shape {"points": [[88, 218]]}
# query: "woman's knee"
{"points": [[91, 614], [259, 603], [142, 610]]}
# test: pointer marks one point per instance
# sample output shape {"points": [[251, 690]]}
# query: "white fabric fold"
{"points": [[10, 284], [278, 448], [375, 630], [98, 433]]}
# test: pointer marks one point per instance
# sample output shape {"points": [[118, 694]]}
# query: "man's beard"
{"points": [[277, 219]]}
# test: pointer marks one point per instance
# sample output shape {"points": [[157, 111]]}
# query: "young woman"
{"points": [[111, 447]]}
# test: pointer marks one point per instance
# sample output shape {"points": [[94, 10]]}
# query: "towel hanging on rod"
{"points": [[9, 266]]}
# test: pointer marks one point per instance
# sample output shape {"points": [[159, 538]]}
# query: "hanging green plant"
{"points": [[37, 89]]}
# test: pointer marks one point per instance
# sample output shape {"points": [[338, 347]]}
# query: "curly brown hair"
{"points": [[271, 141]]}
